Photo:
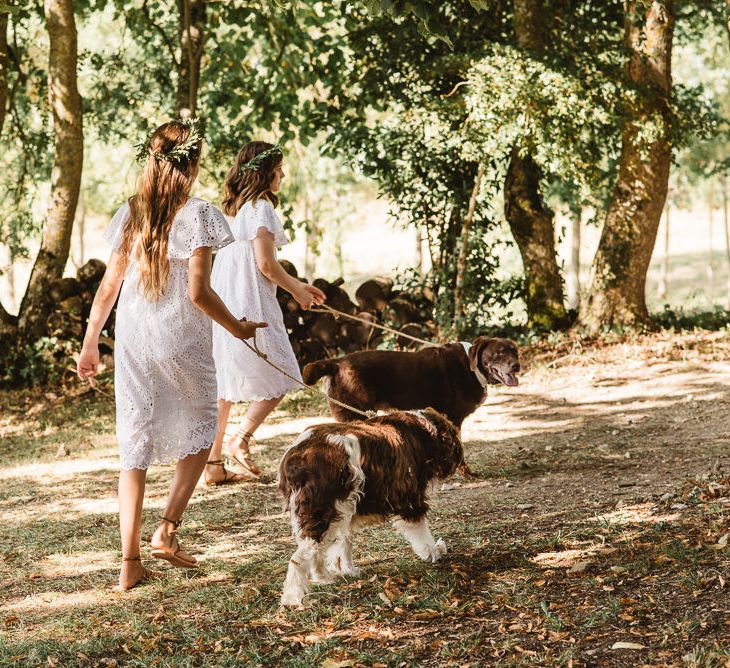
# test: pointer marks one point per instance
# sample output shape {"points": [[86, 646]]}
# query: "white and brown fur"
{"points": [[337, 476]]}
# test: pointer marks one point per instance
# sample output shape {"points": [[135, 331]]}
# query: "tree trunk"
{"points": [[573, 282], [726, 225], [664, 278], [617, 294], [68, 140], [710, 245], [5, 317], [461, 262], [3, 68], [530, 221], [191, 34]]}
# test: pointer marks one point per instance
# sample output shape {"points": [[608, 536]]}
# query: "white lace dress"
{"points": [[164, 375], [242, 376]]}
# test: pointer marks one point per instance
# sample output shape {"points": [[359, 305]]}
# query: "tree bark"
{"points": [[461, 262], [664, 279], [530, 220], [573, 286], [531, 223], [726, 225], [617, 294], [68, 140], [5, 317], [3, 68], [191, 34]]}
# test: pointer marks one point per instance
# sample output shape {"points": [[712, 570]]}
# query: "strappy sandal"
{"points": [[169, 553], [146, 576], [230, 477], [245, 462]]}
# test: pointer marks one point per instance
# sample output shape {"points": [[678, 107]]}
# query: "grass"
{"points": [[503, 596]]}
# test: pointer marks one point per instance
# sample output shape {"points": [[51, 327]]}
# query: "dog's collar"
{"points": [[480, 376]]}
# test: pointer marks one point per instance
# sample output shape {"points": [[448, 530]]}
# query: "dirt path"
{"points": [[599, 516]]}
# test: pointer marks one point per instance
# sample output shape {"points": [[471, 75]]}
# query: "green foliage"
{"points": [[40, 363], [680, 320]]}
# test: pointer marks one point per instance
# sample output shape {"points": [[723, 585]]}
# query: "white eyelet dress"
{"points": [[164, 374], [242, 375]]}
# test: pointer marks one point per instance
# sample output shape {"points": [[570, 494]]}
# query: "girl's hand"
{"points": [[87, 363], [307, 295], [248, 329]]}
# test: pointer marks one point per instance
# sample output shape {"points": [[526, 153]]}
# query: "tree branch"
{"points": [[167, 41]]}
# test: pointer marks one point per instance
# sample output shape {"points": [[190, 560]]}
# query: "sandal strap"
{"points": [[173, 522], [214, 462], [137, 558]]}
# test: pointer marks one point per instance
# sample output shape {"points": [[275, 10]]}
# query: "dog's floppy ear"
{"points": [[476, 350]]}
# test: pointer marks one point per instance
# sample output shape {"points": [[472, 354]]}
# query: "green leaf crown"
{"points": [[254, 164], [178, 152]]}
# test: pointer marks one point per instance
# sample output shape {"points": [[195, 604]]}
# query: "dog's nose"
{"points": [[515, 368]]}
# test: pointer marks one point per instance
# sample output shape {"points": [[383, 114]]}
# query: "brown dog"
{"points": [[336, 477], [452, 378]]}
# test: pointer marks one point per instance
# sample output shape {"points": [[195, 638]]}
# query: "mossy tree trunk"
{"points": [[530, 220], [5, 317], [68, 141], [616, 297]]}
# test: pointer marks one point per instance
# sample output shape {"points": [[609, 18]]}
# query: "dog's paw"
{"points": [[292, 600], [441, 547]]}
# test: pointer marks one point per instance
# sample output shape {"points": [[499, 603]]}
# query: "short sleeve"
{"points": [[262, 214], [198, 225], [114, 231]]}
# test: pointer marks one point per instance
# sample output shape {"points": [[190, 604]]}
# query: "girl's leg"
{"points": [[215, 472], [237, 446], [131, 495], [187, 474]]}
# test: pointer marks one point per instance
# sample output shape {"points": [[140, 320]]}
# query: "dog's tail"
{"points": [[313, 371]]}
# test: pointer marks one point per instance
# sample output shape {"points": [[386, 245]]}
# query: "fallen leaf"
{"points": [[627, 645]]}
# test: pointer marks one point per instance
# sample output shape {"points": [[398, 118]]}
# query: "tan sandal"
{"points": [[170, 554], [229, 478], [146, 576], [245, 462]]}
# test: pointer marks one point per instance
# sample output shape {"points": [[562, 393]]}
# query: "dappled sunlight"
{"points": [[636, 514], [58, 470], [65, 564], [567, 558], [55, 601]]}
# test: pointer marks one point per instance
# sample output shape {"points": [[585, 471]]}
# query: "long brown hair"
{"points": [[250, 185], [164, 187]]}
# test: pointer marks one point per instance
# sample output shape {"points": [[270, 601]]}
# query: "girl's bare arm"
{"points": [[208, 301], [269, 266], [106, 295]]}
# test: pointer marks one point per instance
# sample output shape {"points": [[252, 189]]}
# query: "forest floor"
{"points": [[596, 534]]}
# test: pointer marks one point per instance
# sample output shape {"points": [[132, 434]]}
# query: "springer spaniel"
{"points": [[452, 378], [337, 476]]}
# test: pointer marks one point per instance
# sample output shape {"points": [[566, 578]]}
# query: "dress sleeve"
{"points": [[114, 231], [203, 226], [262, 214]]}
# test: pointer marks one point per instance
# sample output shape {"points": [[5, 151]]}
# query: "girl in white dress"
{"points": [[164, 374], [245, 275]]}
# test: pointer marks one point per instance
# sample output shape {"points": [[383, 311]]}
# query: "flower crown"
{"points": [[255, 162], [178, 152]]}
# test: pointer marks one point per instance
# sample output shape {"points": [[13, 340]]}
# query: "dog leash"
{"points": [[255, 349], [324, 308]]}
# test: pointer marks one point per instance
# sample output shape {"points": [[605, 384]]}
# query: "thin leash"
{"points": [[255, 349], [337, 314]]}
